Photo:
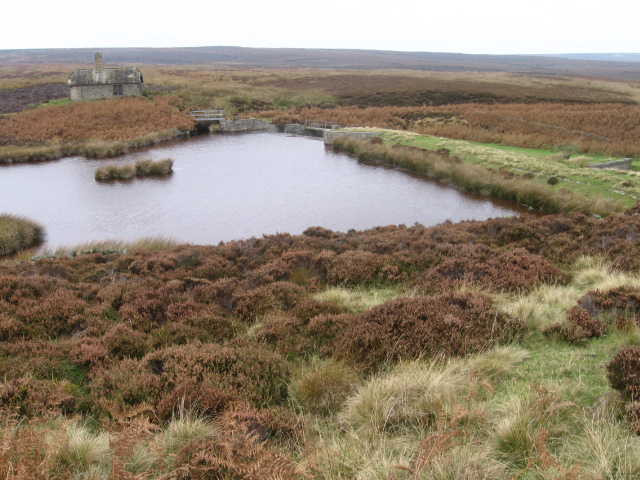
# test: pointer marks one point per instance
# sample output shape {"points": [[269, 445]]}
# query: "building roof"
{"points": [[108, 76]]}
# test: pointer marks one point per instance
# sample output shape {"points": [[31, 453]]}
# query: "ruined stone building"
{"points": [[100, 82]]}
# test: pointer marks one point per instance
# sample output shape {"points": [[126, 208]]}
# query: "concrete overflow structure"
{"points": [[101, 82]]}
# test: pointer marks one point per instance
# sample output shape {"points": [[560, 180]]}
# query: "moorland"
{"points": [[500, 349]]}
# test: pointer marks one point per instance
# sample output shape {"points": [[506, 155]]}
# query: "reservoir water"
{"points": [[227, 187]]}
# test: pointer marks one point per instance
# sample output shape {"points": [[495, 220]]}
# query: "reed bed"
{"points": [[475, 179], [92, 148], [142, 168]]}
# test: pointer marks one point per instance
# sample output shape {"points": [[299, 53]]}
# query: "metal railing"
{"points": [[320, 125], [203, 115]]}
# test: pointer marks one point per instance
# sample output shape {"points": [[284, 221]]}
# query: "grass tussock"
{"points": [[142, 168], [417, 394], [605, 449], [184, 428], [151, 244], [323, 387], [81, 452], [18, 233]]}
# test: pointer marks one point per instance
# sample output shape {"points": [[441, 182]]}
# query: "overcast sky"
{"points": [[464, 26]]}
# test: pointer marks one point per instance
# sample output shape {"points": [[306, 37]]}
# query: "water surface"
{"points": [[226, 187]]}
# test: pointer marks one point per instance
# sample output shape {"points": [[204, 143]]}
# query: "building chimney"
{"points": [[99, 65]]}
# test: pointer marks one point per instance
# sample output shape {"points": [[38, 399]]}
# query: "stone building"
{"points": [[100, 82]]}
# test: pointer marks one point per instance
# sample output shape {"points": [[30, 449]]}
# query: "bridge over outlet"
{"points": [[207, 115]]}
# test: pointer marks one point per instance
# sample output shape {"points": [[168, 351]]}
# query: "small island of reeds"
{"points": [[142, 168], [18, 233]]}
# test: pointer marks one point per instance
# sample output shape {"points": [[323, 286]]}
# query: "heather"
{"points": [[104, 128], [500, 348], [604, 128], [136, 116]]}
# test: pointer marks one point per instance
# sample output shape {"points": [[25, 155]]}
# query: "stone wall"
{"points": [[329, 135], [95, 92], [294, 129], [622, 164], [247, 125]]}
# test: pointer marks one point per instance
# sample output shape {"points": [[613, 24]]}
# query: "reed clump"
{"points": [[149, 167], [18, 233], [142, 168]]}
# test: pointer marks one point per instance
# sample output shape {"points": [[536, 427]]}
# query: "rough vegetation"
{"points": [[542, 125], [503, 349], [18, 233], [232, 360], [142, 168]]}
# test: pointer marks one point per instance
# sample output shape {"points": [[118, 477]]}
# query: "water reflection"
{"points": [[226, 187]]}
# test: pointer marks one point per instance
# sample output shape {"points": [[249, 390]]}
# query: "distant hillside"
{"points": [[608, 66], [602, 57]]}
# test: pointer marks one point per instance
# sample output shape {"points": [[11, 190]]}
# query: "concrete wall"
{"points": [[247, 125], [294, 129], [95, 92], [622, 164], [329, 135]]}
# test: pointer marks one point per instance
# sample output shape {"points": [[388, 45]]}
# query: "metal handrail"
{"points": [[207, 114]]}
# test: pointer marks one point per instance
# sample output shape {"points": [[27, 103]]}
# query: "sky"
{"points": [[460, 26]]}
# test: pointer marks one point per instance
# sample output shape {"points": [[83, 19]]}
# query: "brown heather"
{"points": [[603, 127], [580, 327], [250, 371], [515, 270], [407, 328], [231, 332], [118, 119], [624, 376], [596, 312]]}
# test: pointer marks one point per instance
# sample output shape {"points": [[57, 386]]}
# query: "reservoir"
{"points": [[227, 187]]}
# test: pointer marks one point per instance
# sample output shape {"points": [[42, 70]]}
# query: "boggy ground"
{"points": [[471, 351]]}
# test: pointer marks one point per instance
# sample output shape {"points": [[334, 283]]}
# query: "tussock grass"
{"points": [[86, 454], [18, 233], [183, 428], [149, 167], [353, 456], [323, 387], [605, 449], [114, 172], [415, 394], [142, 460], [548, 304], [360, 299], [522, 421], [142, 168], [153, 244], [457, 462]]}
